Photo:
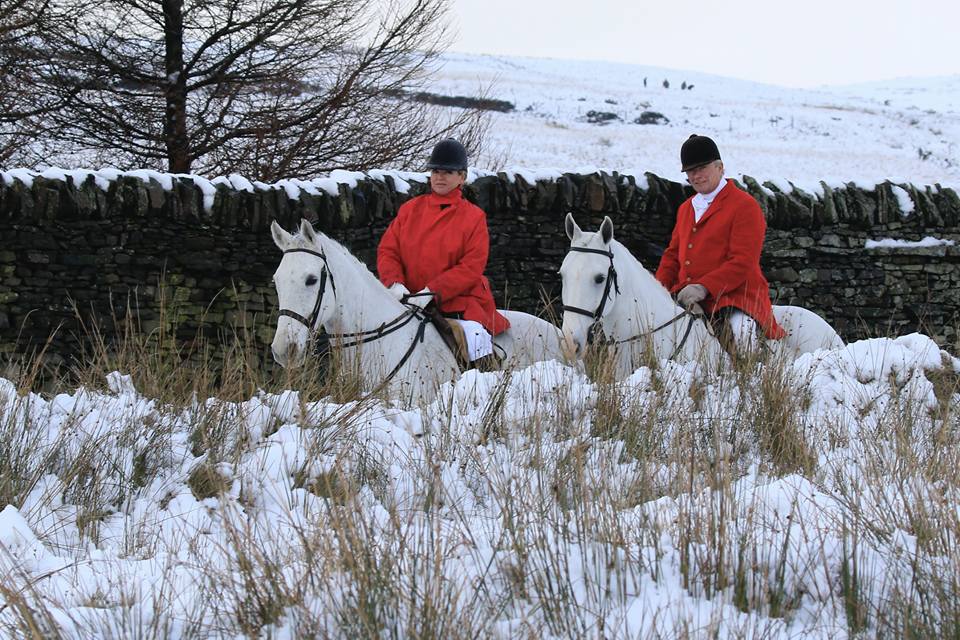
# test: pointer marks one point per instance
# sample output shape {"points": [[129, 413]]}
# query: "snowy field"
{"points": [[810, 499], [906, 130], [814, 500]]}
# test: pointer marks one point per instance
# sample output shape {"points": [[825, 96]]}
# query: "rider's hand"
{"points": [[398, 290], [691, 294], [421, 298]]}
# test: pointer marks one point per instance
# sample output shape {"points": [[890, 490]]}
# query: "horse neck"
{"points": [[362, 303], [643, 302]]}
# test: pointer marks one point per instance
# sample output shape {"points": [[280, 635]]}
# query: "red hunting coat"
{"points": [[441, 242], [722, 253]]}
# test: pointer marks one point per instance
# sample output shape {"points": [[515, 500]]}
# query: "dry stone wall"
{"points": [[74, 255]]}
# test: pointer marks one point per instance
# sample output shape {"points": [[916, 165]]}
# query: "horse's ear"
{"points": [[606, 230], [570, 226], [306, 230], [280, 237]]}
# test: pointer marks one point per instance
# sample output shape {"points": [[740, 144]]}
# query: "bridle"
{"points": [[359, 337], [597, 315], [311, 320]]}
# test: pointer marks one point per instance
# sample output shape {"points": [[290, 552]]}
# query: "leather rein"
{"points": [[597, 314], [359, 337]]}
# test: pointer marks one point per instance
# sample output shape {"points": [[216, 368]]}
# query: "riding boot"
{"points": [[725, 337]]}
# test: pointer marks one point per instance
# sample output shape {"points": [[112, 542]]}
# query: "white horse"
{"points": [[606, 287], [321, 284]]}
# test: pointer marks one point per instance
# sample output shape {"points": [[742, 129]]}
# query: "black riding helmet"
{"points": [[448, 155], [698, 151]]}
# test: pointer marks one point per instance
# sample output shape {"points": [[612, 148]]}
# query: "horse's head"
{"points": [[305, 292], [589, 283]]}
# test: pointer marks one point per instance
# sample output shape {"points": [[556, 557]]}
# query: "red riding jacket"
{"points": [[722, 253], [441, 242]]}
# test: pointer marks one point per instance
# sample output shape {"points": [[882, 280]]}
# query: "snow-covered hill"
{"points": [[905, 129]]}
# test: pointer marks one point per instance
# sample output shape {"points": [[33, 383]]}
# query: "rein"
{"points": [[683, 340], [597, 314]]}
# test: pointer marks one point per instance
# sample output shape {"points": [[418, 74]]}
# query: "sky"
{"points": [[826, 42]]}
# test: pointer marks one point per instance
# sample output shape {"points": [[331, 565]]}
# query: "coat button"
{"points": [[690, 246], [686, 262], [688, 278], [694, 229]]}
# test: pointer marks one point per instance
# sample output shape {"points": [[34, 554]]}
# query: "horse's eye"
{"points": [[311, 280], [598, 279]]}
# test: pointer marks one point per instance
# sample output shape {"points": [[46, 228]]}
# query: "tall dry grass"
{"points": [[543, 517]]}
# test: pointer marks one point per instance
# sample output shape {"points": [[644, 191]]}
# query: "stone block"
{"points": [[786, 274]]}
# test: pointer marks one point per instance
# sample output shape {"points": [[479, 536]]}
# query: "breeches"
{"points": [[736, 330], [479, 341], [743, 330]]}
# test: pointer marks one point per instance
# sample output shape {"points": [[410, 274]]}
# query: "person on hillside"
{"points": [[714, 255], [437, 246]]}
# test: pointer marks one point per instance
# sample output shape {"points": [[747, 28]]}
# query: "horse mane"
{"points": [[334, 247], [620, 250]]}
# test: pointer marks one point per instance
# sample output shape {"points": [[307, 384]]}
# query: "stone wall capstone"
{"points": [[74, 255]]}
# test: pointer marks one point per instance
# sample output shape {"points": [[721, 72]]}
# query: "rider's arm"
{"points": [[743, 256], [389, 264]]}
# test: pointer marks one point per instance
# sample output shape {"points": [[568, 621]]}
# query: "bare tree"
{"points": [[268, 88], [21, 103]]}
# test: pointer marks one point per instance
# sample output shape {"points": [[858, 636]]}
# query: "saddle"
{"points": [[454, 337], [452, 334]]}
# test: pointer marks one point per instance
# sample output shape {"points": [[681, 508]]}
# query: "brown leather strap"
{"points": [[452, 334]]}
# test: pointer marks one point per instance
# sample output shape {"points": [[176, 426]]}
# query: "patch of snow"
{"points": [[928, 241], [903, 199]]}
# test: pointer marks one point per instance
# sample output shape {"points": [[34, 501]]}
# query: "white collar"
{"points": [[701, 202], [707, 198]]}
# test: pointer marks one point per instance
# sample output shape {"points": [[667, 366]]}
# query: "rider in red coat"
{"points": [[438, 246], [714, 254]]}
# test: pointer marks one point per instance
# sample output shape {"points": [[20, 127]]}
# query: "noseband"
{"points": [[311, 320], [597, 313]]}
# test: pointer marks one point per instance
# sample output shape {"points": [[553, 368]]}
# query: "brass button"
{"points": [[694, 229], [686, 262], [688, 278], [690, 246]]}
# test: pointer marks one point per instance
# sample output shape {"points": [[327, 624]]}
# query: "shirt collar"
{"points": [[707, 198]]}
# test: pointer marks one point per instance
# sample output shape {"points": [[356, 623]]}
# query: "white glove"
{"points": [[421, 299], [691, 294], [398, 290]]}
